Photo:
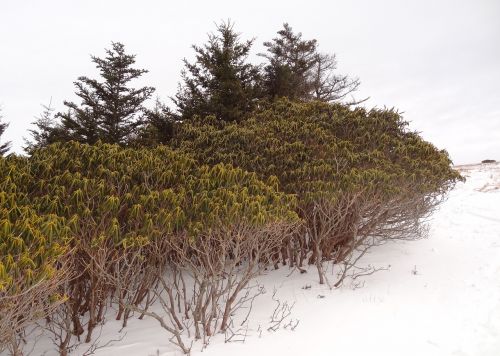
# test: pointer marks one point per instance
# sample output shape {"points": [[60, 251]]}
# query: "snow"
{"points": [[440, 296]]}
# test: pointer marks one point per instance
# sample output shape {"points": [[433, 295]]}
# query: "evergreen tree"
{"points": [[291, 60], [220, 82], [297, 70], [329, 86], [4, 147], [158, 128], [110, 110], [47, 131]]}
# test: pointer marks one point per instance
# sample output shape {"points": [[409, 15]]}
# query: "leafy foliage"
{"points": [[356, 173], [107, 203], [312, 145], [124, 182], [32, 248]]}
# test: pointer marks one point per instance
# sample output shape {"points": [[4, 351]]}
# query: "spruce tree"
{"points": [[4, 147], [220, 81], [110, 110]]}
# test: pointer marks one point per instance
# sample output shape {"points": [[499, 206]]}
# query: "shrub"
{"points": [[357, 174], [137, 214], [85, 226], [33, 250]]}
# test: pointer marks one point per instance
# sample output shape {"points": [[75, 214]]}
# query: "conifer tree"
{"points": [[329, 86], [297, 70], [47, 130], [220, 81], [4, 147], [158, 127], [110, 110], [291, 60]]}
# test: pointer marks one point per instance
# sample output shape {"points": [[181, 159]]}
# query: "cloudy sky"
{"points": [[438, 61]]}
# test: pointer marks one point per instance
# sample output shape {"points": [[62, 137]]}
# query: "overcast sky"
{"points": [[438, 61]]}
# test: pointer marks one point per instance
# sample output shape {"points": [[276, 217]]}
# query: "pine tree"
{"points": [[220, 82], [110, 111], [4, 147]]}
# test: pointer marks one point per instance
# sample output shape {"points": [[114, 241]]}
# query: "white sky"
{"points": [[438, 61]]}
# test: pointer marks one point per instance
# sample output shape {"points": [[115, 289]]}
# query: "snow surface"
{"points": [[440, 296]]}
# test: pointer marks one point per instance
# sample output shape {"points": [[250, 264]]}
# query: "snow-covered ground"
{"points": [[440, 296]]}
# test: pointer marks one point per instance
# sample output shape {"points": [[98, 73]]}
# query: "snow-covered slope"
{"points": [[440, 296]]}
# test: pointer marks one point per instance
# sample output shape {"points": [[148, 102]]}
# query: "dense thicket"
{"points": [[32, 244], [358, 174], [127, 215], [86, 226], [263, 169]]}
